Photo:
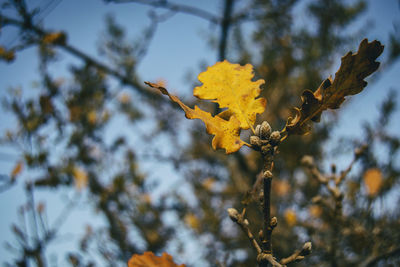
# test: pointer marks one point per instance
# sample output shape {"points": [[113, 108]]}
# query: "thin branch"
{"points": [[298, 255], [244, 225], [372, 261], [197, 12]]}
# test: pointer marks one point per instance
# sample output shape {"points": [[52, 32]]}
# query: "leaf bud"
{"points": [[267, 174], [275, 138], [257, 130], [306, 249], [274, 222], [265, 130], [255, 141], [233, 214]]}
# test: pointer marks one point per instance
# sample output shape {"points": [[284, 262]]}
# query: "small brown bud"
{"points": [[267, 174], [255, 141], [265, 130], [274, 222], [233, 214], [306, 249], [275, 138], [257, 130]]}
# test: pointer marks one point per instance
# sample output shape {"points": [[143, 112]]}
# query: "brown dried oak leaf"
{"points": [[349, 80], [148, 259], [231, 86]]}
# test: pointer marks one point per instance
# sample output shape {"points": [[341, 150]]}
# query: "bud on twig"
{"points": [[306, 249], [233, 214], [255, 141], [274, 222], [265, 130], [275, 138]]}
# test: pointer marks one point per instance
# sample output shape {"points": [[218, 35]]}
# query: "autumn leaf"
{"points": [[373, 181], [148, 259], [17, 170], [80, 177], [54, 38], [290, 217], [349, 80], [226, 133], [231, 87]]}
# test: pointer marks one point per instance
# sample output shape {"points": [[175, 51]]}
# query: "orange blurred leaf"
{"points": [[148, 259], [231, 87], [80, 177], [55, 38], [290, 217], [373, 181], [17, 169], [349, 80]]}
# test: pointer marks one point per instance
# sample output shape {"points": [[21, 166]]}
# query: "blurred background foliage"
{"points": [[71, 137]]}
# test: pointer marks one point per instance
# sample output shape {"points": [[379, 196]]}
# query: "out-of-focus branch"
{"points": [[373, 260], [174, 7], [129, 81]]}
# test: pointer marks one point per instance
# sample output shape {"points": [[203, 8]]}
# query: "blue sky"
{"points": [[177, 49]]}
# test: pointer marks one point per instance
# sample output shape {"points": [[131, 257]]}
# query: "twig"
{"points": [[298, 255], [175, 8], [244, 225]]}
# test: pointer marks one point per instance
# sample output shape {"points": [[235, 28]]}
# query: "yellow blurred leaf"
{"points": [[7, 55], [54, 38], [231, 87], [208, 183], [281, 187], [124, 98], [192, 221], [17, 170], [315, 211], [80, 177], [373, 181], [148, 259], [146, 198], [290, 217], [92, 117]]}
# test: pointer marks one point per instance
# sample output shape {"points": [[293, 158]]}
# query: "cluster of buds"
{"points": [[265, 139]]}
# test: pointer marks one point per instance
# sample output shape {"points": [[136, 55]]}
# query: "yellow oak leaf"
{"points": [[148, 259], [226, 133], [349, 80], [231, 86], [373, 181]]}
